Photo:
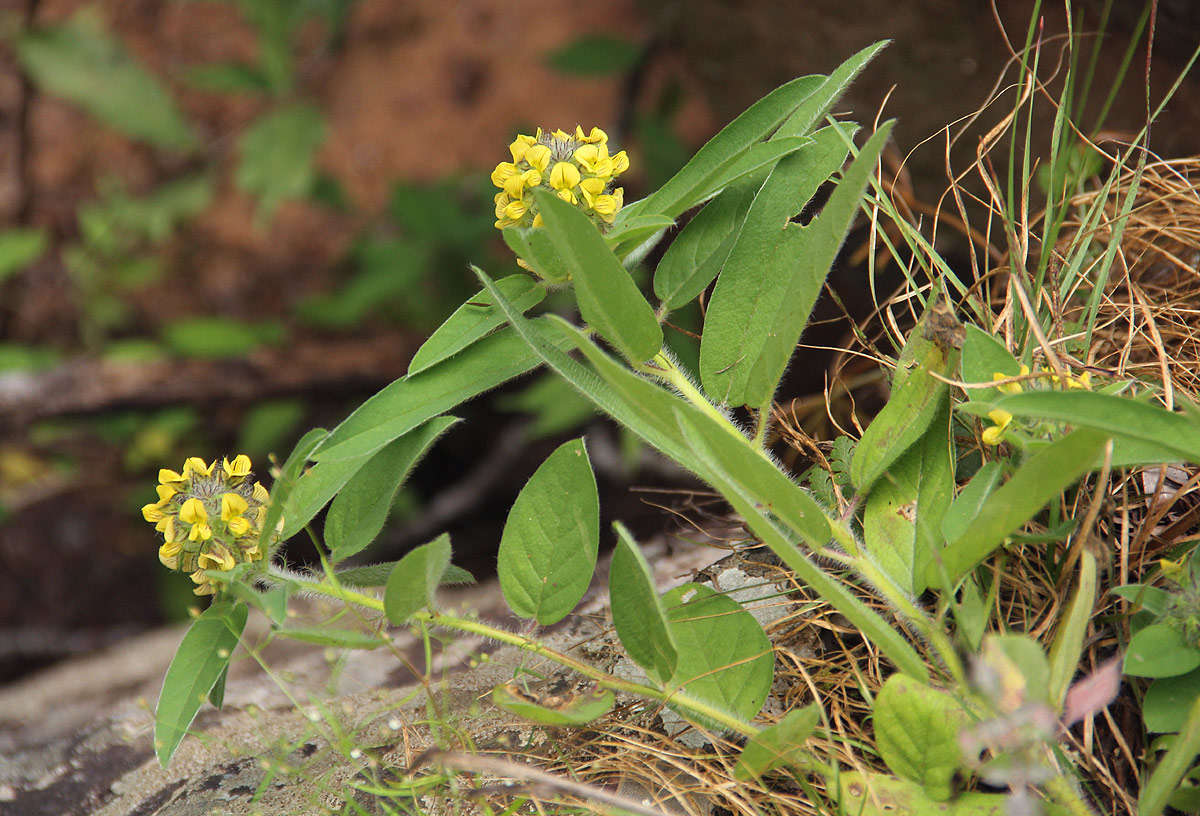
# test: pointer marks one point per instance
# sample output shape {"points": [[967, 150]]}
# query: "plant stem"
{"points": [[676, 698], [669, 372]]}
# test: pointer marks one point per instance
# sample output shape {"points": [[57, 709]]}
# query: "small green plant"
{"points": [[962, 706]]}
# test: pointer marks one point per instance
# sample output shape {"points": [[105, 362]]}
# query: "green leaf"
{"points": [[1066, 653], [774, 272], [916, 731], [684, 190], [1176, 435], [818, 103], [595, 55], [790, 109], [476, 318], [1160, 650], [411, 400], [533, 245], [361, 507], [79, 61], [609, 300], [904, 511], [1143, 596], [1167, 701], [1165, 779], [556, 406], [697, 254], [724, 657], [1028, 659], [578, 710], [983, 356], [917, 397], [415, 579], [277, 154], [198, 665], [548, 549], [227, 78], [1038, 480], [19, 248], [281, 490], [872, 794], [652, 413], [778, 744], [631, 232], [216, 695], [313, 490], [638, 612], [219, 337], [337, 638], [970, 500]]}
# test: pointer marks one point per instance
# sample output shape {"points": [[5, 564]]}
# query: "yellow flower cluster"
{"points": [[1002, 419], [210, 516], [577, 168]]}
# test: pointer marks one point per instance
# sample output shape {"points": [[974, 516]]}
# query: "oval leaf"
{"points": [[697, 254], [198, 665], [1160, 650], [415, 578], [1168, 701], [638, 613], [916, 730], [361, 508], [548, 549], [725, 658]]}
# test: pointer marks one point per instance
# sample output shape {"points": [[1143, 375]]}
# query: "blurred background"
{"points": [[224, 222]]}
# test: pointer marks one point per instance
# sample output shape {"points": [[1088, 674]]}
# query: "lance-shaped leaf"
{"points": [[361, 507], [638, 613], [796, 105], [653, 414], [409, 401], [917, 396], [902, 519], [1175, 436], [548, 549], [476, 318], [776, 269], [697, 254], [608, 298], [198, 666], [1038, 480], [415, 578]]}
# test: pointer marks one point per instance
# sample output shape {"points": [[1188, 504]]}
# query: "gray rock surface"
{"points": [[77, 738]]}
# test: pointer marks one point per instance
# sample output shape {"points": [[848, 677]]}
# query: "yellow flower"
{"points": [[564, 176], [184, 514], [538, 157], [520, 145], [992, 435], [195, 467], [577, 167], [597, 136], [239, 468]]}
